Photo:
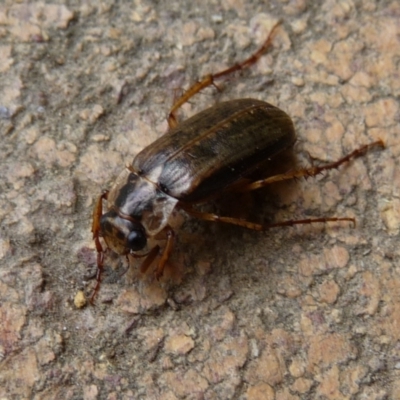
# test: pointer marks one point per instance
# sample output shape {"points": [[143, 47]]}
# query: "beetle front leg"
{"points": [[97, 213]]}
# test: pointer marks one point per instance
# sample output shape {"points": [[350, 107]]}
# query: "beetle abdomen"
{"points": [[214, 148]]}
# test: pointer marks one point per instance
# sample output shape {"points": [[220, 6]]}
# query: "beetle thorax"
{"points": [[142, 201]]}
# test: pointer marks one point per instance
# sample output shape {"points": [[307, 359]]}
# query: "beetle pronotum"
{"points": [[194, 161]]}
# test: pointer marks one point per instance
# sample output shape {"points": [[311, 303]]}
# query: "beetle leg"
{"points": [[150, 257], [308, 172], [97, 213], [166, 252], [208, 80], [260, 227], [127, 268], [154, 252]]}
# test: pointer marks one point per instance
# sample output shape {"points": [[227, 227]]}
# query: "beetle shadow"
{"points": [[205, 244]]}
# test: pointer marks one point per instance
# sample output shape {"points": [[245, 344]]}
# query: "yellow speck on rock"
{"points": [[80, 299]]}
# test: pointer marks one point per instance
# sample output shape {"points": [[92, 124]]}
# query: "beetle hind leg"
{"points": [[209, 80], [308, 172], [262, 227]]}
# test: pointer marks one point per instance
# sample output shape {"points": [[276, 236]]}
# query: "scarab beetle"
{"points": [[194, 161]]}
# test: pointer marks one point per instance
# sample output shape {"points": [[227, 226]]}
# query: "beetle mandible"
{"points": [[194, 161]]}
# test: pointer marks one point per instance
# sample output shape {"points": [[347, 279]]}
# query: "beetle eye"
{"points": [[136, 240]]}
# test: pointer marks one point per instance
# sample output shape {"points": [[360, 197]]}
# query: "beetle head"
{"points": [[122, 235]]}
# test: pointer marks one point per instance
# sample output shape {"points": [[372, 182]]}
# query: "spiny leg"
{"points": [[260, 227], [208, 80], [97, 213], [308, 172]]}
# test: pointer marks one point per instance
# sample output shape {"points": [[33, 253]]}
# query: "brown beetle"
{"points": [[196, 160]]}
